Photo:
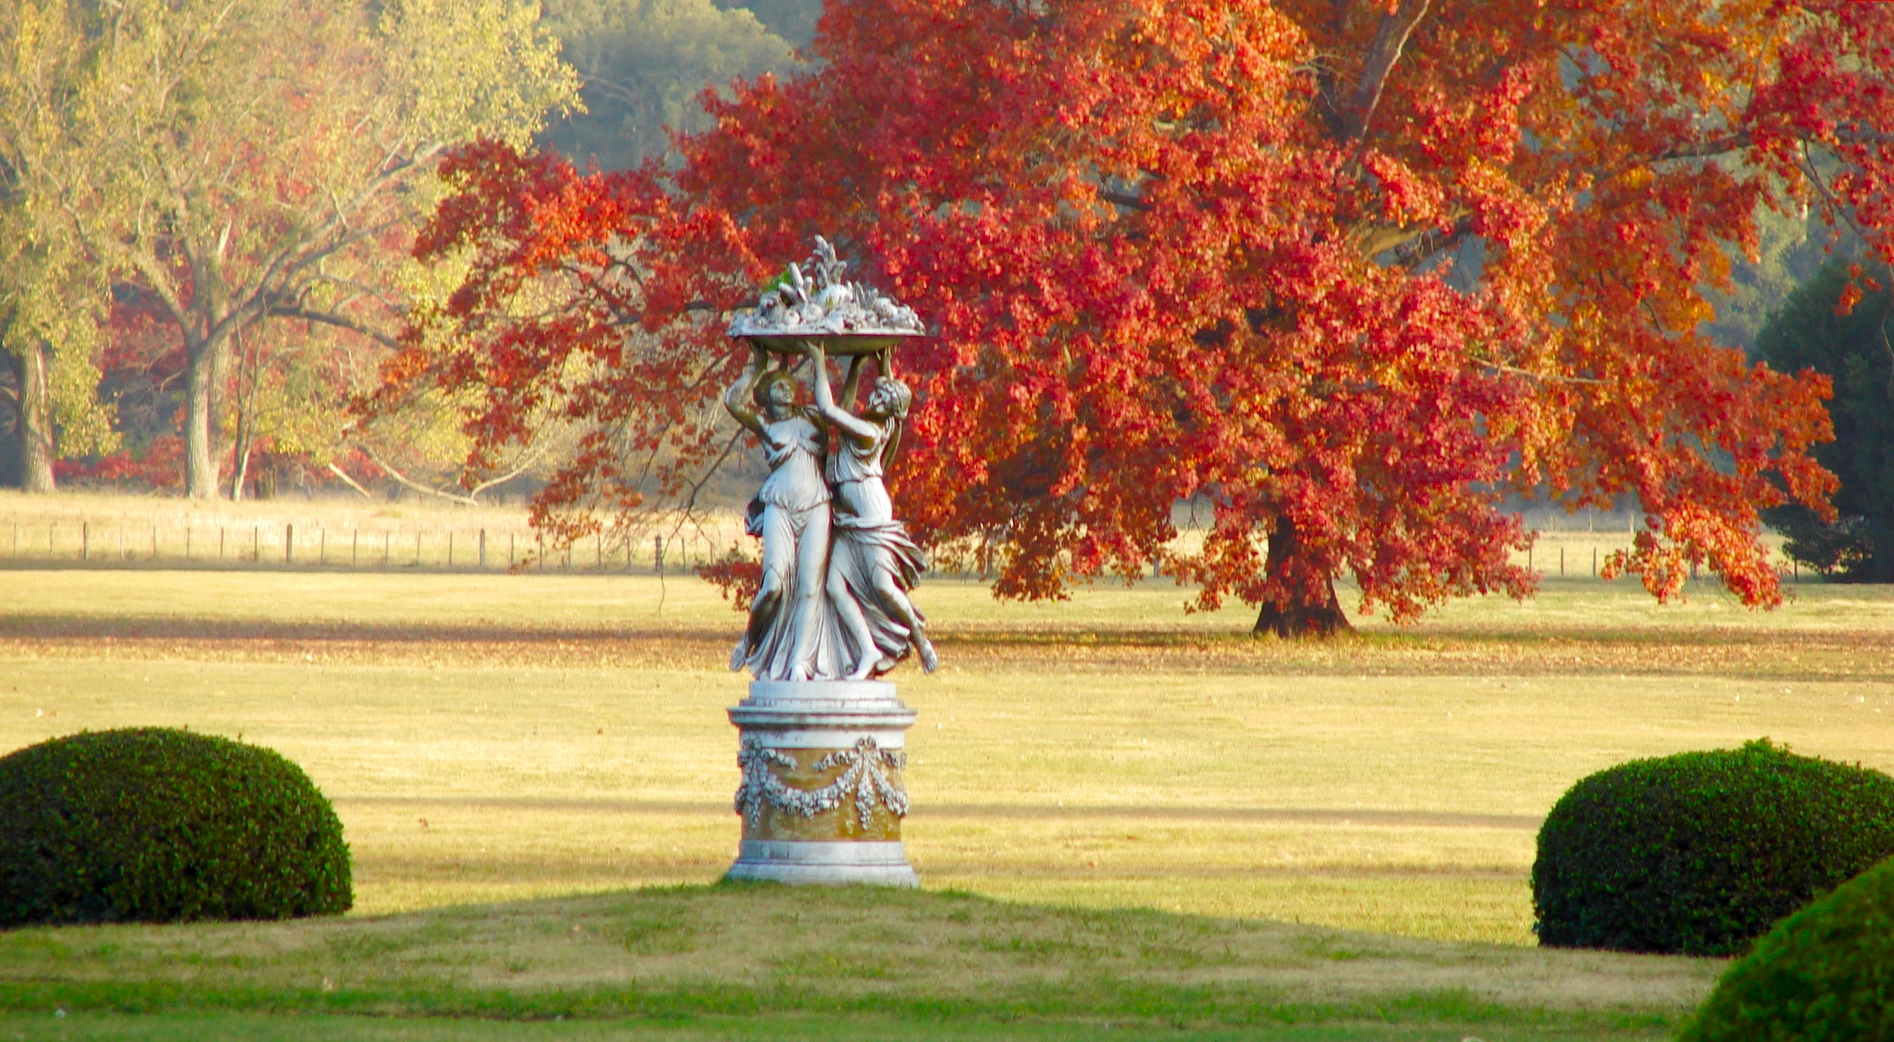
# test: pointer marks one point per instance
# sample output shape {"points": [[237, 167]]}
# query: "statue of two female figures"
{"points": [[837, 567]]}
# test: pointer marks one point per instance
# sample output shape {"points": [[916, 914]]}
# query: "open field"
{"points": [[100, 530], [531, 738], [295, 531]]}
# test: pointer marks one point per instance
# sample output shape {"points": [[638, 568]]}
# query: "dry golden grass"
{"points": [[338, 531], [492, 737]]}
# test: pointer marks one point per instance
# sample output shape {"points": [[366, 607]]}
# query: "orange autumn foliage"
{"points": [[1343, 273]]}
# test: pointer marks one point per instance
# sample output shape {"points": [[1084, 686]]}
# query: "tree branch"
{"points": [[1856, 134], [1417, 251], [339, 321], [1376, 239], [628, 95], [1706, 149], [351, 482], [409, 483], [1390, 37], [1835, 205], [1851, 134], [525, 464], [1550, 378]]}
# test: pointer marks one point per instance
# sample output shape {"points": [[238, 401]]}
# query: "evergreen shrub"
{"points": [[1700, 853], [1825, 974], [161, 825]]}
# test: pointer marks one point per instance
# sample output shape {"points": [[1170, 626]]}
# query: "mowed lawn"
{"points": [[1337, 827]]}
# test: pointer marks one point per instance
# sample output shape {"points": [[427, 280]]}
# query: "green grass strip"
{"points": [[1129, 1002]]}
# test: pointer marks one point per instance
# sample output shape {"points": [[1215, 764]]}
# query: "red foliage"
{"points": [[159, 465], [735, 576], [140, 338], [1348, 276]]}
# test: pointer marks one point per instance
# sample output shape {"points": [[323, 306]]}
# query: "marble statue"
{"points": [[838, 567], [822, 741], [872, 562], [791, 514]]}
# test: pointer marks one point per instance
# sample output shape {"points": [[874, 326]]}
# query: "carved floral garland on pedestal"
{"points": [[865, 782]]}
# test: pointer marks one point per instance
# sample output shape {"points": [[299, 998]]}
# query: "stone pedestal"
{"points": [[821, 797]]}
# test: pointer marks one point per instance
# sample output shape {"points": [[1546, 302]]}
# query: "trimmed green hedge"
{"points": [[159, 825], [1700, 853], [1825, 974]]}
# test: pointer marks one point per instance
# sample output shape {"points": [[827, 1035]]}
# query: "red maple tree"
{"points": [[1344, 274]]}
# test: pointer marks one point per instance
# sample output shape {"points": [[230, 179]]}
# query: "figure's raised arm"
{"points": [[852, 381], [736, 400], [848, 422]]}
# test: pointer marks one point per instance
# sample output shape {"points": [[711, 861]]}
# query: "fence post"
{"points": [[85, 541], [417, 548], [154, 540], [450, 548], [187, 544], [256, 544], [657, 554], [598, 549], [387, 541], [355, 546], [51, 553], [1594, 562], [322, 546], [483, 549], [289, 544], [220, 543], [1561, 562]]}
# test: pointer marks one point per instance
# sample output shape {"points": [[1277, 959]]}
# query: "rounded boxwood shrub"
{"points": [[1700, 853], [1825, 974], [160, 825]]}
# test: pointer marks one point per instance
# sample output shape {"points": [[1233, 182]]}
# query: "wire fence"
{"points": [[1561, 552], [317, 545]]}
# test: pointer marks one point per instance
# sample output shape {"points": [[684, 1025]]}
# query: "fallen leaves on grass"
{"points": [[1719, 651]]}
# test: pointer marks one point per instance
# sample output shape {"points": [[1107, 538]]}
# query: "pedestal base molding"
{"points": [[822, 797], [861, 861]]}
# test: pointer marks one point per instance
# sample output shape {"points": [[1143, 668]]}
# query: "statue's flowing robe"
{"points": [[791, 514], [866, 542]]}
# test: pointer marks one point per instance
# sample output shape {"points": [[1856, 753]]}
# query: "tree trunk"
{"points": [[35, 426], [1312, 609], [243, 466], [200, 462]]}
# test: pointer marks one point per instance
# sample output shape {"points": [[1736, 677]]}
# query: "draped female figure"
{"points": [[872, 562], [791, 514]]}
